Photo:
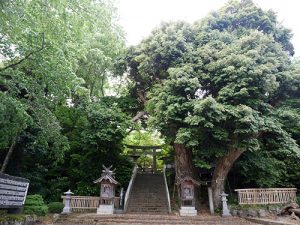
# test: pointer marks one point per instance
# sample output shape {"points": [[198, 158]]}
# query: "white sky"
{"points": [[139, 17]]}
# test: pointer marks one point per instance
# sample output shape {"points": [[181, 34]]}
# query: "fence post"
{"points": [[67, 201]]}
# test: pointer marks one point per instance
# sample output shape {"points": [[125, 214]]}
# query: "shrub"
{"points": [[55, 207], [34, 204]]}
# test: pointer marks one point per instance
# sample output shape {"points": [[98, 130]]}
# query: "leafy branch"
{"points": [[27, 56]]}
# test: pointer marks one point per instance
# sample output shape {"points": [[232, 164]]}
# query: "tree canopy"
{"points": [[57, 57], [214, 87]]}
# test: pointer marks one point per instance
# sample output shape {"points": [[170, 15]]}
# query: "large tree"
{"points": [[148, 64], [53, 53], [212, 88]]}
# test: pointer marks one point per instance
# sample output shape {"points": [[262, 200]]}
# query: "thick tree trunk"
{"points": [[220, 173], [8, 156], [184, 166], [183, 160]]}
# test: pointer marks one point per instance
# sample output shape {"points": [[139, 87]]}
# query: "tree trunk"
{"points": [[183, 160], [184, 166], [183, 163], [8, 155], [223, 166]]}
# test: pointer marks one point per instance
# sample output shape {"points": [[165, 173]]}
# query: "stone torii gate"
{"points": [[136, 151]]}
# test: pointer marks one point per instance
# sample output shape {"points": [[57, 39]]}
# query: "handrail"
{"points": [[128, 191], [167, 189]]}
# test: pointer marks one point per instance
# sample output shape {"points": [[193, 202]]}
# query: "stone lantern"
{"points": [[67, 202], [187, 196], [107, 191]]}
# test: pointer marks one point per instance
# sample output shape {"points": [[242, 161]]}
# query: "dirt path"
{"points": [[145, 219]]}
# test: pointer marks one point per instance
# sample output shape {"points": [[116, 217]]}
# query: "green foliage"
{"points": [[46, 48], [55, 207], [263, 169], [57, 59], [143, 137], [34, 204], [13, 119], [220, 84], [58, 56], [12, 218]]}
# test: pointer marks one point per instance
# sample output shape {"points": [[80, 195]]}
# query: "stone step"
{"points": [[148, 195]]}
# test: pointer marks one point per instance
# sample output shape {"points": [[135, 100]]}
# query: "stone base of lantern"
{"points": [[188, 211], [105, 210], [66, 210]]}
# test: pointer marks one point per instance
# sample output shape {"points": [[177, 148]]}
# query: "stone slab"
{"points": [[105, 210], [188, 211]]}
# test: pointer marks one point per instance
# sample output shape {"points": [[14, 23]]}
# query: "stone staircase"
{"points": [[148, 195]]}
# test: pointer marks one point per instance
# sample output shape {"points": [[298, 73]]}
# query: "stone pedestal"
{"points": [[105, 210], [188, 211]]}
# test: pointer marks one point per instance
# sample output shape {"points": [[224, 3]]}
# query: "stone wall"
{"points": [[11, 219]]}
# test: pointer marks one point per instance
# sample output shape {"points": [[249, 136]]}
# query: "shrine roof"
{"points": [[187, 179], [106, 177]]}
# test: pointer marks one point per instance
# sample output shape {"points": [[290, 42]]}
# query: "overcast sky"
{"points": [[139, 17]]}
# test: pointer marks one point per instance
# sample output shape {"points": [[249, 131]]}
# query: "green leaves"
{"points": [[13, 119], [215, 85]]}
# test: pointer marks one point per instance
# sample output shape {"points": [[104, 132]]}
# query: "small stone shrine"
{"points": [[187, 196], [107, 191]]}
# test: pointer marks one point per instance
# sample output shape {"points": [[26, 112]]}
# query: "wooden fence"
{"points": [[87, 203], [266, 196]]}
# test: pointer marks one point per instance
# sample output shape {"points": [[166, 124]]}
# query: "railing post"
{"points": [[129, 188], [67, 208], [166, 186]]}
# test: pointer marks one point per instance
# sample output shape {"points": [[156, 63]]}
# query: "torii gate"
{"points": [[146, 150]]}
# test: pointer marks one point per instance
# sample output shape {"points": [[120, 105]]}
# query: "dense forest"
{"points": [[221, 95]]}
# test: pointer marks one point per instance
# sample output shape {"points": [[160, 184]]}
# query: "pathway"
{"points": [[146, 219]]}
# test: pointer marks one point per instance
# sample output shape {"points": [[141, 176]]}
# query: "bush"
{"points": [[34, 204], [55, 207], [298, 200]]}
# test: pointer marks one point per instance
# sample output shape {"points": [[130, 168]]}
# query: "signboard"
{"points": [[13, 191]]}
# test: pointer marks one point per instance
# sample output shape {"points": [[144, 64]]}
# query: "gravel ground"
{"points": [[145, 219]]}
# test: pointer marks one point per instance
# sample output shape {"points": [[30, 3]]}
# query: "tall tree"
{"points": [[213, 87], [45, 46]]}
